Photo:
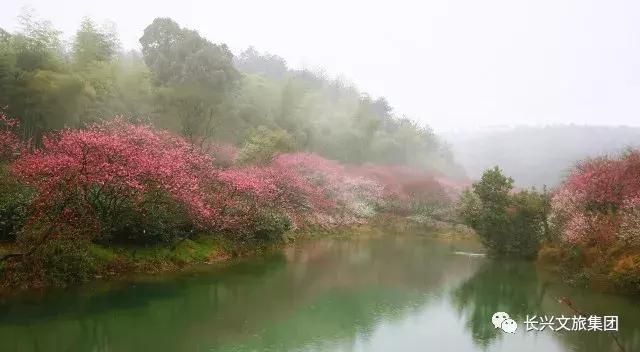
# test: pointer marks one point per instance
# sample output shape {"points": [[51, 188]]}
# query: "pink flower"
{"points": [[597, 198]]}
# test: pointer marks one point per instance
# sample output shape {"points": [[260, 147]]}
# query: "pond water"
{"points": [[380, 293]]}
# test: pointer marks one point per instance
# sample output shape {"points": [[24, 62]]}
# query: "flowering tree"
{"points": [[343, 196], [306, 188], [599, 201], [99, 174], [247, 190], [405, 189], [125, 181]]}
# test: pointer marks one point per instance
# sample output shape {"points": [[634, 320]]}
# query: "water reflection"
{"points": [[519, 289], [391, 293], [498, 286]]}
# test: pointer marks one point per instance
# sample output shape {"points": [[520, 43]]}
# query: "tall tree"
{"points": [[193, 75], [93, 44]]}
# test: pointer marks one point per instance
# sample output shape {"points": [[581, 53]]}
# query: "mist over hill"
{"points": [[537, 156]]}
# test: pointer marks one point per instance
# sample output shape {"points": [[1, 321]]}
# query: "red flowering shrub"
{"points": [[306, 189], [406, 190], [113, 169], [132, 182], [248, 190], [10, 144], [599, 202], [341, 196]]}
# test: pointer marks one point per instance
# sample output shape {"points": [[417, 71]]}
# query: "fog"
{"points": [[453, 65], [531, 86], [147, 137]]}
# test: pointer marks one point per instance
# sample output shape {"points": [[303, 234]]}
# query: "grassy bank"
{"points": [[65, 267], [614, 268], [100, 262]]}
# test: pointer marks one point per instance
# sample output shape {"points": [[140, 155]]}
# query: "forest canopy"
{"points": [[185, 83]]}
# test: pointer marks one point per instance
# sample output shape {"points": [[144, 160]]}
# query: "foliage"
{"points": [[406, 190], [15, 199], [509, 223], [596, 210], [168, 167], [266, 226], [529, 216], [60, 261], [265, 144], [92, 44], [193, 74], [183, 82], [598, 203], [267, 65], [36, 86], [10, 144], [99, 174]]}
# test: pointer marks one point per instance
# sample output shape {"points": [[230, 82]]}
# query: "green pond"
{"points": [[378, 293]]}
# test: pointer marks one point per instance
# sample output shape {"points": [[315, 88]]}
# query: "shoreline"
{"points": [[121, 263]]}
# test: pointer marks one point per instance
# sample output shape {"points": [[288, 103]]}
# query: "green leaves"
{"points": [[93, 44], [509, 224], [265, 144]]}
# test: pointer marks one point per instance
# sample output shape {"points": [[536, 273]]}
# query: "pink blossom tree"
{"points": [[598, 203], [94, 174]]}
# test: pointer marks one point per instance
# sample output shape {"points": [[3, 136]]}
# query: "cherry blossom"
{"points": [[600, 199]]}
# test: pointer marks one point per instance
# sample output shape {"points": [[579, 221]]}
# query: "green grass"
{"points": [[157, 257]]}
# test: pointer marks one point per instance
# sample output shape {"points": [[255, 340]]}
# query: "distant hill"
{"points": [[535, 156]]}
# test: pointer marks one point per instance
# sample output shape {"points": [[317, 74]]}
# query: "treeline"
{"points": [[71, 207], [182, 82], [587, 228], [113, 162]]}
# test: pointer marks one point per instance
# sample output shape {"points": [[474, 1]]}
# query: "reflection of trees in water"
{"points": [[325, 292], [592, 302], [322, 295], [498, 286], [516, 288]]}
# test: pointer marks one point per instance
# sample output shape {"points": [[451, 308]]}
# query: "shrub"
{"points": [[10, 144], [265, 144], [62, 260], [599, 201], [407, 191], [625, 273], [108, 175], [267, 226], [157, 219], [246, 190], [15, 199], [509, 224]]}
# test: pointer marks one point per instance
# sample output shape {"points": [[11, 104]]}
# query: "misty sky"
{"points": [[451, 64]]}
